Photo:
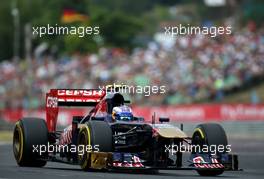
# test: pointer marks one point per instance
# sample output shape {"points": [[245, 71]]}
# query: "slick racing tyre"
{"points": [[210, 134], [97, 135], [28, 134]]}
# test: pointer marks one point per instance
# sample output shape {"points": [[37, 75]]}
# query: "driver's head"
{"points": [[118, 100], [122, 113]]}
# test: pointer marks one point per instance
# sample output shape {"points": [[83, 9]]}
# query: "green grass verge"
{"points": [[6, 136], [245, 96]]}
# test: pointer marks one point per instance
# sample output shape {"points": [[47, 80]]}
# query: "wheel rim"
{"points": [[84, 140], [198, 138], [18, 143]]}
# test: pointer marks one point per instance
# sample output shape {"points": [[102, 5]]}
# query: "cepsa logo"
{"points": [[80, 92], [52, 102]]}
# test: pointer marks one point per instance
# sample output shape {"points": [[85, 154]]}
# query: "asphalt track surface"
{"points": [[251, 157]]}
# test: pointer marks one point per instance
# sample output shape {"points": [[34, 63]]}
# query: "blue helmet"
{"points": [[123, 116]]}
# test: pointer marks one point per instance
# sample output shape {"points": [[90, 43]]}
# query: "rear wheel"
{"points": [[210, 134], [97, 135], [28, 134]]}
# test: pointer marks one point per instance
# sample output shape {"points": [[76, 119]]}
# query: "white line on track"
{"points": [[5, 143]]}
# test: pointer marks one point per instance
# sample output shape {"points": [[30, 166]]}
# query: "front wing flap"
{"points": [[104, 160], [209, 161]]}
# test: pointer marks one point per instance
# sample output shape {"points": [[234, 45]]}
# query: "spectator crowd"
{"points": [[193, 68]]}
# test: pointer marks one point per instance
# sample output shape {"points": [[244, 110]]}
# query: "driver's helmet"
{"points": [[122, 113]]}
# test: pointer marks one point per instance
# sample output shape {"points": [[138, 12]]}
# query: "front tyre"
{"points": [[210, 134], [210, 172], [97, 135]]}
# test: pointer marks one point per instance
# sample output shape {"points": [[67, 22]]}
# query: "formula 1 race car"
{"points": [[111, 137]]}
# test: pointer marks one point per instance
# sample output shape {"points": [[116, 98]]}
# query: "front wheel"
{"points": [[94, 136], [210, 172], [210, 134]]}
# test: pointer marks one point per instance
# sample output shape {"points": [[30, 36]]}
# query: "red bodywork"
{"points": [[69, 97]]}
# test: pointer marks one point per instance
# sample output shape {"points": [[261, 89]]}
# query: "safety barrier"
{"points": [[192, 113]]}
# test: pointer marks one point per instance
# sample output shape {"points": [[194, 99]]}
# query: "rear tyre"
{"points": [[28, 134], [97, 135], [210, 134]]}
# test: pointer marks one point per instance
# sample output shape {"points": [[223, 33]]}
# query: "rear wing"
{"points": [[69, 97]]}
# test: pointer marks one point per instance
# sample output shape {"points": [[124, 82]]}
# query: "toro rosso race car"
{"points": [[110, 137]]}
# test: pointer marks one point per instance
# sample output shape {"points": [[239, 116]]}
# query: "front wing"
{"points": [[103, 160]]}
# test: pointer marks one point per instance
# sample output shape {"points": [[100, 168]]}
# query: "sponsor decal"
{"points": [[78, 100], [80, 93], [52, 102], [135, 162], [200, 163]]}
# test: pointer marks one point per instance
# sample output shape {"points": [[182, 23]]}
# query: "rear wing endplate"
{"points": [[69, 97]]}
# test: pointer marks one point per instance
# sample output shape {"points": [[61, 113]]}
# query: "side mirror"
{"points": [[77, 119], [138, 119], [127, 102], [164, 119], [98, 118]]}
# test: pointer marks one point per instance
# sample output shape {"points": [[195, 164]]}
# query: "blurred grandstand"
{"points": [[195, 68]]}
